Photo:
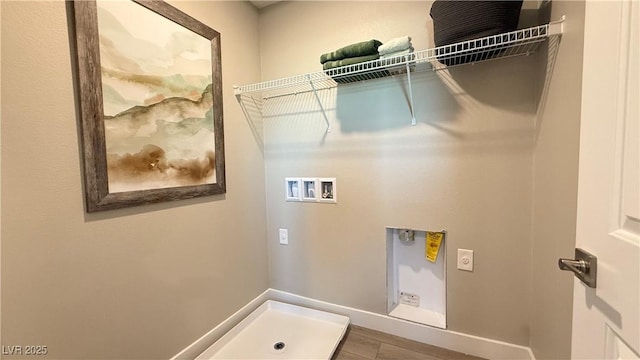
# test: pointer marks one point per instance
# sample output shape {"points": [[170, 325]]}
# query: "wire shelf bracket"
{"points": [[413, 114], [315, 93], [515, 43]]}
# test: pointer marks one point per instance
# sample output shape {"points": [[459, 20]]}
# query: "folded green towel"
{"points": [[348, 61], [354, 50], [346, 79]]}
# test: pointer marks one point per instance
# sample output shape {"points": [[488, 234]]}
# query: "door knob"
{"points": [[584, 267]]}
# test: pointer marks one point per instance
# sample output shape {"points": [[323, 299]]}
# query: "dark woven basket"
{"points": [[457, 21]]}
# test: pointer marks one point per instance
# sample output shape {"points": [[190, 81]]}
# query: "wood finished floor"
{"points": [[365, 344]]}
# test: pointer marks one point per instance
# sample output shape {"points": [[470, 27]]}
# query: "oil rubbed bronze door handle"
{"points": [[584, 266]]}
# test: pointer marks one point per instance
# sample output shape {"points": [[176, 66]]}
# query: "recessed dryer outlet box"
{"points": [[465, 259]]}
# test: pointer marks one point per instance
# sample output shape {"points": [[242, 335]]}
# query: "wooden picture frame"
{"points": [[114, 175]]}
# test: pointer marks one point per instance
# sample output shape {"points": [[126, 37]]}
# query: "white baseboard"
{"points": [[468, 344], [464, 343]]}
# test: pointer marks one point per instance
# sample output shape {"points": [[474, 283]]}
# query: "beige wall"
{"points": [[145, 282], [555, 191], [137, 283], [1, 184], [466, 167]]}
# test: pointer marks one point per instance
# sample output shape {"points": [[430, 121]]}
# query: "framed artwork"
{"points": [[150, 98], [293, 188], [328, 191], [309, 189]]}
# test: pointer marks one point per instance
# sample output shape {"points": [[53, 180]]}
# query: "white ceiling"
{"points": [[262, 3], [527, 4]]}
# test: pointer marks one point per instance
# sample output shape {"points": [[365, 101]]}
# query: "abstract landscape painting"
{"points": [[160, 103], [156, 89]]}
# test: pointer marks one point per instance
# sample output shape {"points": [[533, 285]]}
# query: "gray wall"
{"points": [[467, 167], [555, 191], [143, 282]]}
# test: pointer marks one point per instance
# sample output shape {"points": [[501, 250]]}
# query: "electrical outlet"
{"points": [[284, 237], [465, 259]]}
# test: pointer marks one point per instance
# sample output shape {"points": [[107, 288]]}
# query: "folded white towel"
{"points": [[393, 45], [397, 53]]}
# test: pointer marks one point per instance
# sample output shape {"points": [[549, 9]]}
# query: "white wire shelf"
{"points": [[514, 43]]}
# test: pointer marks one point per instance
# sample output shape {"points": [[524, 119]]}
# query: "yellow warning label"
{"points": [[434, 240]]}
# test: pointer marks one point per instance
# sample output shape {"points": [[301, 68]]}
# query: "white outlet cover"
{"points": [[465, 259], [284, 236]]}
